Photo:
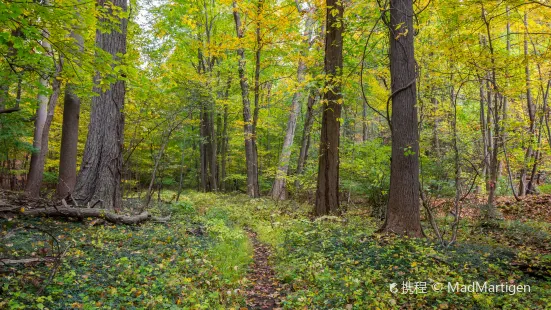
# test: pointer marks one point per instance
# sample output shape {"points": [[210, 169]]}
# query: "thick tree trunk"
{"points": [[279, 192], [251, 158], [327, 193], [69, 137], [99, 178], [403, 215]]}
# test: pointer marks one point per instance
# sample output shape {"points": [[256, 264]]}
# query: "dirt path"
{"points": [[264, 290]]}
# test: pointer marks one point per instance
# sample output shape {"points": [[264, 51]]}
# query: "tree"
{"points": [[36, 169], [327, 193], [251, 155], [99, 178], [69, 135], [403, 215], [279, 191]]}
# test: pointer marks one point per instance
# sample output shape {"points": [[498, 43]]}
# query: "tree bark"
{"points": [[327, 193], [35, 169], [42, 128], [251, 158], [403, 215], [99, 178], [69, 137]]}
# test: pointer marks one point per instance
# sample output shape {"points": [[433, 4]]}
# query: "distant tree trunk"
{"points": [[37, 174], [531, 108], [224, 141], [493, 118], [365, 128], [279, 192], [99, 178], [209, 174], [403, 215], [306, 132], [166, 139], [69, 137], [251, 157], [327, 193], [182, 164]]}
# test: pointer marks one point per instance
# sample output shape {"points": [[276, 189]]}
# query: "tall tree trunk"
{"points": [[531, 108], [327, 193], [251, 157], [494, 98], [279, 191], [99, 178], [224, 142], [69, 137], [403, 215]]}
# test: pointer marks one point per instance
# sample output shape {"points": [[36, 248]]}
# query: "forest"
{"points": [[275, 154]]}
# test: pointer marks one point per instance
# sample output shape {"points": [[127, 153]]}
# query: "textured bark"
{"points": [[69, 137], [279, 191], [251, 156], [403, 215], [99, 178], [327, 193]]}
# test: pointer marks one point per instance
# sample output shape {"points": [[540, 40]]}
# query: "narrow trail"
{"points": [[264, 291]]}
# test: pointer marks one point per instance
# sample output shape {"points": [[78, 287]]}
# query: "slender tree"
{"points": [[403, 216], [251, 156]]}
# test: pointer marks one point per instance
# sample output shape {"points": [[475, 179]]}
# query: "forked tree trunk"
{"points": [[327, 193], [36, 168], [40, 142], [403, 215], [99, 178], [251, 158], [69, 137], [279, 192]]}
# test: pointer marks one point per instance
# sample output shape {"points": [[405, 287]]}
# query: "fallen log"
{"points": [[83, 213], [7, 261]]}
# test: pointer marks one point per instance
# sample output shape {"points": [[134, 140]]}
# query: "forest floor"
{"points": [[231, 252]]}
